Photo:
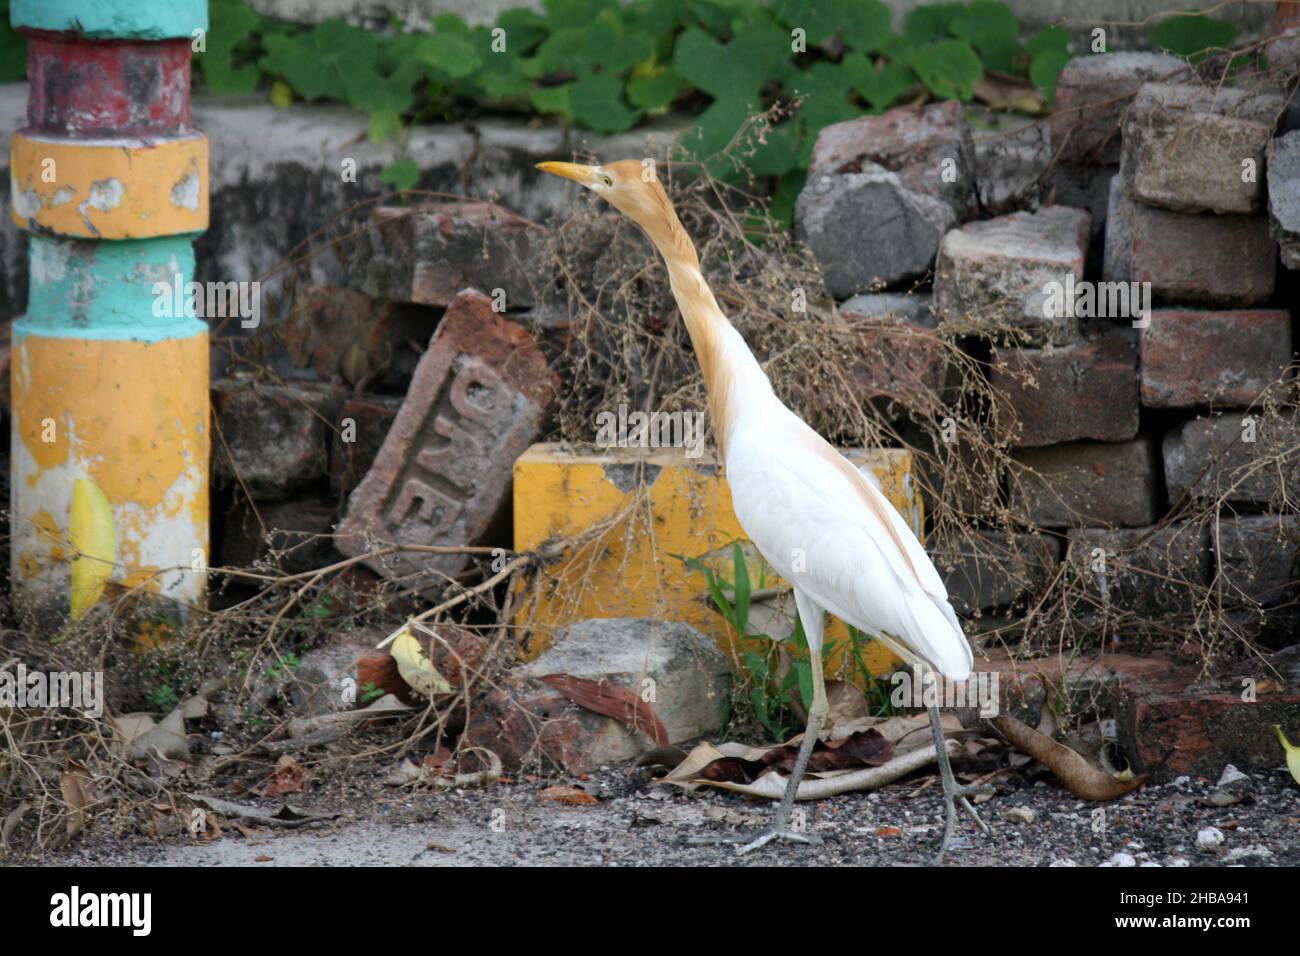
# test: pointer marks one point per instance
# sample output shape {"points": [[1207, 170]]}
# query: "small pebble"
{"points": [[1232, 775], [1209, 839], [1121, 859], [1020, 815]]}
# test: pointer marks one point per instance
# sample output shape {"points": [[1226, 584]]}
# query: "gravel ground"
{"points": [[1252, 822]]}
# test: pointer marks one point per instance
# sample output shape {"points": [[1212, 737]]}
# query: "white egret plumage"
{"points": [[812, 515]]}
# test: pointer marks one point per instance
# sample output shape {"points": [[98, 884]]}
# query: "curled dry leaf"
{"points": [[288, 777], [612, 701], [1080, 777], [415, 666]]}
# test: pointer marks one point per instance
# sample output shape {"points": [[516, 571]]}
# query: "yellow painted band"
{"points": [[131, 417], [104, 189], [631, 571]]}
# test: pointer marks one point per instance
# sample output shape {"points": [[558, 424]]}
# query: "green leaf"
{"points": [[741, 590], [576, 13], [448, 54], [1045, 69], [403, 174], [820, 19], [992, 29], [878, 86], [950, 69], [231, 23], [1188, 35], [781, 208], [601, 44], [383, 126], [449, 23], [930, 23], [367, 90], [1050, 38], [596, 102], [524, 30], [825, 89], [316, 63], [552, 99], [654, 93], [774, 151], [869, 27]]}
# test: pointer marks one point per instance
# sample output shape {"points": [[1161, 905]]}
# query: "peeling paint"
{"points": [[188, 190], [27, 202]]}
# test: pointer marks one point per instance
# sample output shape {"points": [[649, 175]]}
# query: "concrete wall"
{"points": [[276, 177]]}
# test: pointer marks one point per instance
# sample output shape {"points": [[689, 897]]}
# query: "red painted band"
{"points": [[82, 87]]}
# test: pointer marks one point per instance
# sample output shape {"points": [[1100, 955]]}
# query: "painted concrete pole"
{"points": [[110, 437]]}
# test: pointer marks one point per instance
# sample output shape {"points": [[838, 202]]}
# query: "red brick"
{"points": [[1227, 359], [1176, 732], [341, 333], [299, 529], [995, 272], [1146, 571], [1218, 260], [271, 438], [1092, 93], [1184, 147], [362, 426], [902, 356], [479, 397], [426, 254], [1083, 484], [910, 141], [1243, 459], [1086, 390]]}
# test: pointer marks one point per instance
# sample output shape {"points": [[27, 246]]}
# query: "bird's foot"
{"points": [[952, 796], [752, 841]]}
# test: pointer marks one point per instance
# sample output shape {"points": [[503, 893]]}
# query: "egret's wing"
{"points": [[830, 532]]}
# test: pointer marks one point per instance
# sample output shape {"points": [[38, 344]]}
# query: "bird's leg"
{"points": [[780, 828], [952, 791], [812, 618]]}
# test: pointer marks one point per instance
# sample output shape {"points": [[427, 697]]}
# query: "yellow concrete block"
{"points": [[106, 189], [661, 504]]}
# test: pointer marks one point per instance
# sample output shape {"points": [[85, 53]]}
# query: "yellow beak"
{"points": [[575, 171]]}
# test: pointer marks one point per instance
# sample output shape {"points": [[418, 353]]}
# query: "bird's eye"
{"points": [[609, 181]]}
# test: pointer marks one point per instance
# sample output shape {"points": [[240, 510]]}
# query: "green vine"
{"points": [[606, 67]]}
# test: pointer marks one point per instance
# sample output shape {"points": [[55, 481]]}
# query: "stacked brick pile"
{"points": [[1131, 344], [403, 404]]}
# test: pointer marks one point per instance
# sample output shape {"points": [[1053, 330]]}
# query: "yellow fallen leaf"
{"points": [[416, 668], [93, 536], [1292, 753]]}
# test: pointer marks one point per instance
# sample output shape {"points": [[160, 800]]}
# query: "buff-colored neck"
{"points": [[705, 324]]}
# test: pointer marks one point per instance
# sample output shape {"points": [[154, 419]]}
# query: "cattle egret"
{"points": [[811, 514]]}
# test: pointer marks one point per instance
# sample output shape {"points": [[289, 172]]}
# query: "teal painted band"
{"points": [[131, 289], [117, 19]]}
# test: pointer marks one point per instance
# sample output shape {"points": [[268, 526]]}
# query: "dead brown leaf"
{"points": [[568, 796], [78, 793], [288, 777], [1080, 777], [612, 701]]}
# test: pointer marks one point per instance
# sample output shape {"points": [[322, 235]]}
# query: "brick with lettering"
{"points": [[478, 399]]}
